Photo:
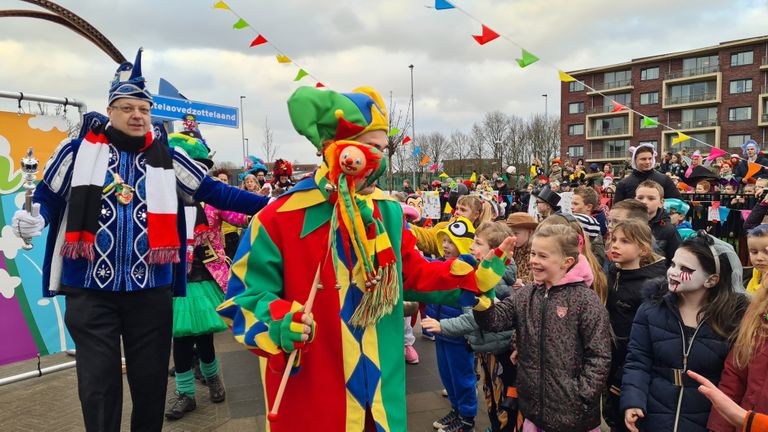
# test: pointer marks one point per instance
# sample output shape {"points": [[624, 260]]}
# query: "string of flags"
{"points": [[527, 58], [260, 39]]}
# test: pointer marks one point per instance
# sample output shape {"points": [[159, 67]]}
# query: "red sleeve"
{"points": [[422, 275], [733, 382]]}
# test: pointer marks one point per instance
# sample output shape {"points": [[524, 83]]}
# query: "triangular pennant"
{"points": [[406, 140], [283, 59], [258, 41], [487, 36], [302, 73], [443, 175], [724, 212], [752, 169], [680, 138], [473, 177], [221, 5], [319, 85], [448, 209], [240, 24], [416, 151], [716, 153], [618, 107], [394, 131], [745, 214], [424, 160], [649, 122], [528, 59], [433, 168], [443, 4], [564, 77]]}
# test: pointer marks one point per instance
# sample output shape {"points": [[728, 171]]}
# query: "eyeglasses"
{"points": [[128, 109]]}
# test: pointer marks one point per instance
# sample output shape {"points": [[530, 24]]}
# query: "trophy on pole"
{"points": [[29, 166]]}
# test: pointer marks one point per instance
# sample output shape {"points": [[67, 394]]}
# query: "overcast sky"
{"points": [[348, 43]]}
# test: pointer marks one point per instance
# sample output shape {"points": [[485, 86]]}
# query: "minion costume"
{"points": [[348, 378]]}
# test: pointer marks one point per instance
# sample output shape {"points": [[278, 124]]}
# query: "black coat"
{"points": [[627, 186], [655, 352], [666, 235]]}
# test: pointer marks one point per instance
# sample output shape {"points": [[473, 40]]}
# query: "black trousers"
{"points": [[184, 347], [97, 320]]}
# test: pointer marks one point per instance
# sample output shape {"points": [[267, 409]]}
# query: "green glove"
{"points": [[288, 331]]}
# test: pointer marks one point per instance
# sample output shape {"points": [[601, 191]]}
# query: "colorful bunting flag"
{"points": [[473, 177], [221, 5], [433, 168], [416, 151], [752, 169], [448, 209], [680, 138], [406, 140], [487, 36], [319, 85], [564, 77], [618, 107], [302, 73], [527, 60], [283, 59], [241, 24], [394, 131], [724, 212], [258, 41], [716, 153], [443, 4], [443, 175], [649, 122], [745, 214], [424, 160]]}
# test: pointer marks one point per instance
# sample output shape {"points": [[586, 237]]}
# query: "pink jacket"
{"points": [[219, 268]]}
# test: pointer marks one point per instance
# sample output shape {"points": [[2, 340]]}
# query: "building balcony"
{"points": [[621, 86], [694, 124], [674, 102], [764, 64], [693, 127], [762, 108], [623, 132], [607, 109], [686, 73]]}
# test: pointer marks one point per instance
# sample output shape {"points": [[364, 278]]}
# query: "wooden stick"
{"points": [[272, 416]]}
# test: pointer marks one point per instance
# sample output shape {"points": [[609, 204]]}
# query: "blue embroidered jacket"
{"points": [[121, 243]]}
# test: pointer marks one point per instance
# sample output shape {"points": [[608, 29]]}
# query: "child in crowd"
{"points": [[677, 209], [668, 240], [522, 226], [547, 202], [689, 324], [757, 243], [633, 264], [745, 375], [599, 283], [563, 336], [586, 201], [492, 349], [626, 209], [454, 362]]}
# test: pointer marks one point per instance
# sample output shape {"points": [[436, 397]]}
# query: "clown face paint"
{"points": [[686, 274]]}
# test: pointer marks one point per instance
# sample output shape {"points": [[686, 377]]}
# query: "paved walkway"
{"points": [[50, 403]]}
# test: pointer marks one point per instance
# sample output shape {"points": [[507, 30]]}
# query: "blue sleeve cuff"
{"points": [[225, 197]]}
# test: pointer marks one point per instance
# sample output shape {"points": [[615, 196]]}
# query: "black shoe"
{"points": [[448, 419], [181, 405], [216, 389], [462, 424]]}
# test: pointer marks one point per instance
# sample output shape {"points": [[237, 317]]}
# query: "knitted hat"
{"points": [[128, 82], [679, 206], [324, 115], [522, 220], [192, 146], [633, 152], [461, 232]]}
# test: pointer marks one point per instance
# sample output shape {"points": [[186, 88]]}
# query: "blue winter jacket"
{"points": [[654, 374]]}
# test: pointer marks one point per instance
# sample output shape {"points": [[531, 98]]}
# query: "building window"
{"points": [[698, 117], [700, 65], [617, 79], [649, 98], [576, 151], [741, 86], [692, 144], [653, 126], [609, 126], [622, 98], [576, 129], [742, 58], [654, 143], [649, 73], [575, 86], [735, 141], [693, 92], [615, 148], [575, 107], [740, 113]]}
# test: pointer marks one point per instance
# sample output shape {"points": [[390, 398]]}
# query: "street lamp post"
{"points": [[247, 146], [545, 105], [413, 127], [242, 129]]}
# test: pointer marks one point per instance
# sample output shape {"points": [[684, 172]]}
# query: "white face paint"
{"points": [[686, 274]]}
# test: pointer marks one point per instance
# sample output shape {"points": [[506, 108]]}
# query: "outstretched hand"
{"points": [[507, 246], [730, 410]]}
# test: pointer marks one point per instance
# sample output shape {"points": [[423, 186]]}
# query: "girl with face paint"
{"points": [[689, 326]]}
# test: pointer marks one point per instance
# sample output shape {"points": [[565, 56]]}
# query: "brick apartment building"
{"points": [[717, 94]]}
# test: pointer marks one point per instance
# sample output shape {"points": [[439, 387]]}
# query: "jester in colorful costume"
{"points": [[350, 374]]}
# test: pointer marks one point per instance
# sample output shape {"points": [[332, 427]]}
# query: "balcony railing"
{"points": [[608, 132], [613, 84], [607, 109], [696, 124], [765, 117], [678, 100], [610, 153], [693, 72], [765, 60]]}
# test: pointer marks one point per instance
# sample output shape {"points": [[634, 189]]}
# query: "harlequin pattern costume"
{"points": [[350, 377]]}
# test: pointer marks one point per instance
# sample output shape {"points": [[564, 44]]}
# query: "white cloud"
{"points": [[8, 284], [46, 123], [9, 243], [5, 146]]}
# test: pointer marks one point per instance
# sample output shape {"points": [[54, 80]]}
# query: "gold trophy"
{"points": [[29, 166]]}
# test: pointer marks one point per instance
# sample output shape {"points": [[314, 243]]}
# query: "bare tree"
{"points": [[493, 134], [544, 137], [268, 145], [434, 145], [399, 122]]}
